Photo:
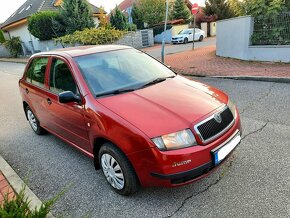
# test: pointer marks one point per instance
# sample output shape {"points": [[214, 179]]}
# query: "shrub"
{"points": [[19, 206], [40, 25], [2, 39], [92, 36], [131, 27], [14, 46]]}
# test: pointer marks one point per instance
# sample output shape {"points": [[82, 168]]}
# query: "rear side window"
{"points": [[61, 78], [36, 72]]}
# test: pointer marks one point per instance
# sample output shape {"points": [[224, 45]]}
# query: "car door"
{"points": [[66, 120], [197, 34], [35, 88], [190, 36]]}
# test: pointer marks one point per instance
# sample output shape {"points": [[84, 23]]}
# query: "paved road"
{"points": [[254, 182], [172, 49]]}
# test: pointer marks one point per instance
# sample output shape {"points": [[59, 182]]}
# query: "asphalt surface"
{"points": [[172, 49], [254, 182]]}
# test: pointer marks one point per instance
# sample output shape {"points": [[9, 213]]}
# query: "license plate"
{"points": [[222, 152]]}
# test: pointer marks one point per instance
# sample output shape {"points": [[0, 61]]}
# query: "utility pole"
{"points": [[194, 11], [165, 27]]}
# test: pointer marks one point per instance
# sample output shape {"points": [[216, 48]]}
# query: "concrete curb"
{"points": [[14, 61], [256, 78], [17, 183], [249, 78]]}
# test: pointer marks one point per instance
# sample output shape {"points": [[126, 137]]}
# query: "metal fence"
{"points": [[273, 30]]}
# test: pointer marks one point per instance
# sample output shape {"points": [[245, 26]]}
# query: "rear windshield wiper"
{"points": [[115, 92], [155, 81]]}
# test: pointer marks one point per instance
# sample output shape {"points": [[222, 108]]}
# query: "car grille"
{"points": [[211, 128]]}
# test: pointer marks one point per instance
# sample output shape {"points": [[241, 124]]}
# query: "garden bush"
{"points": [[14, 46], [92, 36], [41, 25], [19, 207]]}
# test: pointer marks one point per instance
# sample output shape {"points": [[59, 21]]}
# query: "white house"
{"points": [[17, 24]]}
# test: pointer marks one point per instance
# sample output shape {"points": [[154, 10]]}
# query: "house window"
{"points": [[21, 11], [29, 6]]}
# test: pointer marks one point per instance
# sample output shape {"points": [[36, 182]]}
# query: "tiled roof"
{"points": [[33, 6]]}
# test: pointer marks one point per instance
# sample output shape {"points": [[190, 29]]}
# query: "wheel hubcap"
{"points": [[112, 171], [32, 120]]}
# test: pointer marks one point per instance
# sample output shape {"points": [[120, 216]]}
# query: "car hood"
{"points": [[166, 107], [177, 36]]}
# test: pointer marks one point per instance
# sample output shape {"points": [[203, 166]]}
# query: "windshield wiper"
{"points": [[115, 92], [155, 81]]}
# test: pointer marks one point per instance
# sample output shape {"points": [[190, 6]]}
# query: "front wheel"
{"points": [[185, 40], [118, 170], [201, 38], [34, 122]]}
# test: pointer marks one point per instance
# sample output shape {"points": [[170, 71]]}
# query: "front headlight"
{"points": [[232, 107], [181, 139]]}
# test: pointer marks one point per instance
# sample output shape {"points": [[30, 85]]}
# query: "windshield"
{"points": [[185, 32], [120, 70]]}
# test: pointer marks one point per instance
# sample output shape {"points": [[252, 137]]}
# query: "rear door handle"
{"points": [[26, 90], [49, 101]]}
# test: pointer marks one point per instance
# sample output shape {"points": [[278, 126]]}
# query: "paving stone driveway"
{"points": [[204, 62]]}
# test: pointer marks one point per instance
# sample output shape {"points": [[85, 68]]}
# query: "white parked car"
{"points": [[186, 36]]}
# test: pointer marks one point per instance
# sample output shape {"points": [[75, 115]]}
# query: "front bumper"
{"points": [[177, 40], [157, 168]]}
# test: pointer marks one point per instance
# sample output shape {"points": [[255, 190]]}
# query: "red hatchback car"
{"points": [[140, 122]]}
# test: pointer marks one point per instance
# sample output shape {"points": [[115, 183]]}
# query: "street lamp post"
{"points": [[165, 27]]}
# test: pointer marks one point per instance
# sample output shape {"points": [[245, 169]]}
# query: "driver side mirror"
{"points": [[67, 97]]}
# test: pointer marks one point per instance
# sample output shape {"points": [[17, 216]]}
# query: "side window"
{"points": [[61, 78], [36, 71]]}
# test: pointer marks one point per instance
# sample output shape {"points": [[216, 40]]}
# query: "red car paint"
{"points": [[130, 120]]}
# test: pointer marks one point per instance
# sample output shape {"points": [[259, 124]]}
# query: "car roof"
{"points": [[82, 50]]}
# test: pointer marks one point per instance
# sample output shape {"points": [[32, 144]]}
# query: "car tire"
{"points": [[34, 122], [185, 40], [112, 161], [201, 38]]}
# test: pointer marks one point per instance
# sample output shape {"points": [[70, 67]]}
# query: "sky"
{"points": [[9, 7]]}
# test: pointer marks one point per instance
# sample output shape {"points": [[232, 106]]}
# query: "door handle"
{"points": [[49, 101], [26, 90]]}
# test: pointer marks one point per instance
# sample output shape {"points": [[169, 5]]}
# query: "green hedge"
{"points": [[41, 25], [92, 36], [272, 30]]}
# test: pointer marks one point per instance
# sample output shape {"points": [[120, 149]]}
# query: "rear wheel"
{"points": [[117, 170], [201, 38], [185, 40], [34, 122]]}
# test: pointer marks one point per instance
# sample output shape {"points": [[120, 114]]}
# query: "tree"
{"points": [[40, 25], [137, 17], [220, 8], [237, 7], [102, 18], [181, 11], [118, 20], [153, 11], [2, 38], [75, 15], [263, 7]]}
